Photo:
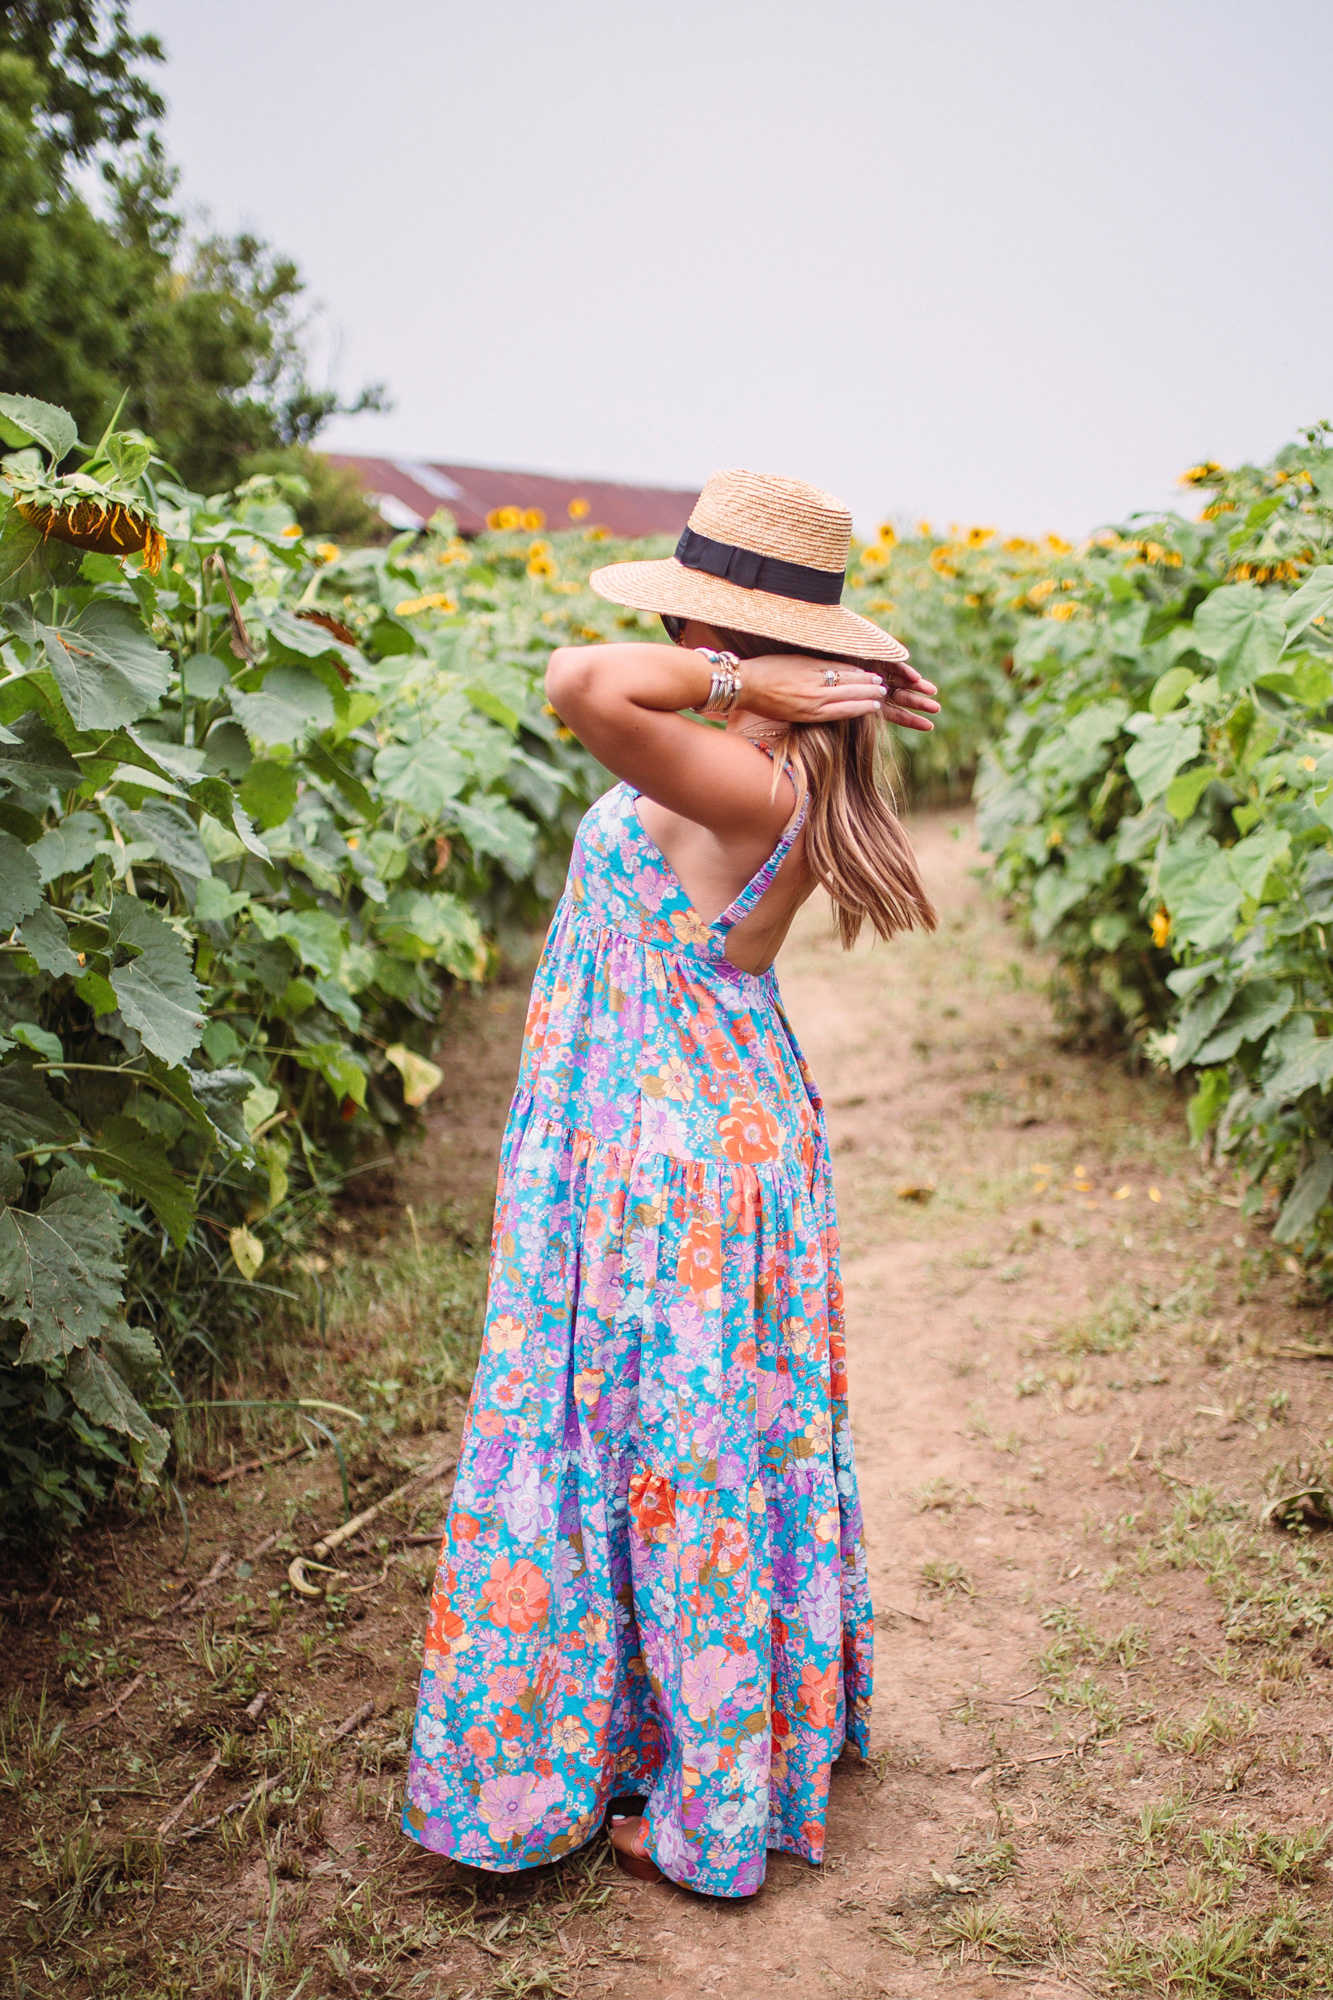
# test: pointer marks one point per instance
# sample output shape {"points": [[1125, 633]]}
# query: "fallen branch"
{"points": [[1004, 1700], [116, 1706], [254, 1465], [253, 1709], [215, 1575], [1014, 1763], [900, 1611], [345, 1728], [334, 1540]]}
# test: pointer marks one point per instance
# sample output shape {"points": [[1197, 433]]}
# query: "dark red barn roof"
{"points": [[410, 490]]}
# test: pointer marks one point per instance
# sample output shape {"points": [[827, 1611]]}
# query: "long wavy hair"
{"points": [[855, 845]]}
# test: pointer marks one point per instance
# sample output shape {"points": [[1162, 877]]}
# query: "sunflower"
{"points": [[1206, 474], [108, 526], [579, 509]]}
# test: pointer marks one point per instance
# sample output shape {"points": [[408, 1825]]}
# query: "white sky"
{"points": [[1008, 261]]}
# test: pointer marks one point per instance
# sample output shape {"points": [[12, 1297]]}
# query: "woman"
{"points": [[652, 1588]]}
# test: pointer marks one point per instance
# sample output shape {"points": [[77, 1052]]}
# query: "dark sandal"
{"points": [[626, 1835]]}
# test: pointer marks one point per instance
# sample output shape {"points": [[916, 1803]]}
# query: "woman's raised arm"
{"points": [[624, 703]]}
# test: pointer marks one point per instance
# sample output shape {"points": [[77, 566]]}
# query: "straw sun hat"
{"points": [[762, 555]]}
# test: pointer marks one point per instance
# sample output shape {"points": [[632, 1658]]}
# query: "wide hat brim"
{"points": [[669, 587]]}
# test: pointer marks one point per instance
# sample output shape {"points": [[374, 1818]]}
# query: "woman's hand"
{"points": [[791, 687]]}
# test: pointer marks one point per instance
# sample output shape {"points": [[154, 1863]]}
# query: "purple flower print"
{"points": [[511, 1805], [488, 1462], [526, 1507], [706, 1679]]}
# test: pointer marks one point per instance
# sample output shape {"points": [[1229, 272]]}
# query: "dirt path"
{"points": [[1102, 1725]]}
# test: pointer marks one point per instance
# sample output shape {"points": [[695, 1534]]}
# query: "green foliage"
{"points": [[96, 95], [1160, 802], [958, 603], [259, 802]]}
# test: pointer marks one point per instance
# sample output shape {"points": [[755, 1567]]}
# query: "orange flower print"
{"points": [[729, 1550], [699, 1264], [652, 1506], [588, 1386], [720, 1050], [504, 1333], [749, 1132], [480, 1742], [517, 1595], [690, 927], [444, 1626], [818, 1694]]}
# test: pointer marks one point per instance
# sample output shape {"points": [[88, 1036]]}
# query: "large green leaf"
{"points": [[39, 761], [1165, 743], [25, 420], [24, 565], [124, 1152], [311, 641], [427, 775], [1309, 1069], [1313, 600], [291, 705], [60, 1272], [212, 1100], [221, 1095], [437, 926], [156, 989], [1241, 631], [341, 1069], [1257, 1009], [105, 1398], [106, 666], [173, 836], [29, 1115], [1251, 860], [1306, 1198], [1183, 793], [68, 848], [268, 792], [492, 827], [1198, 1022], [316, 936], [20, 883], [46, 936]]}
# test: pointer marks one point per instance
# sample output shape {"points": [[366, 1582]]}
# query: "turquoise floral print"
{"points": [[653, 1577]]}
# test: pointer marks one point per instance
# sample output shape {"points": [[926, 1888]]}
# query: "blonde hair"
{"points": [[854, 842]]}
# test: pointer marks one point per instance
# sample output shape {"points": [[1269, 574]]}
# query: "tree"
{"points": [[206, 339], [94, 94]]}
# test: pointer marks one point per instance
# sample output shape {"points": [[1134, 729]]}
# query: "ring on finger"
{"points": [[832, 678]]}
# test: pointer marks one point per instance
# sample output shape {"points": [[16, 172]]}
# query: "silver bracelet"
{"points": [[726, 688]]}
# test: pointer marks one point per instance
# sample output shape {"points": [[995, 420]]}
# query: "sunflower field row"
{"points": [[260, 800], [1160, 803]]}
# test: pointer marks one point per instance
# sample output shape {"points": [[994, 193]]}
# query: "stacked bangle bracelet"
{"points": [[726, 689]]}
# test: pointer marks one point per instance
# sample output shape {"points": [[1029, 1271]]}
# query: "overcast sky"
{"points": [[1005, 261]]}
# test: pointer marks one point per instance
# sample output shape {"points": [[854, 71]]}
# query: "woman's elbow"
{"points": [[568, 674]]}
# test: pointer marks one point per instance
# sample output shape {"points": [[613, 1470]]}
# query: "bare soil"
{"points": [[1103, 1728]]}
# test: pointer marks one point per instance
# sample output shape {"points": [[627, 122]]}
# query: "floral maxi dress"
{"points": [[653, 1575]]}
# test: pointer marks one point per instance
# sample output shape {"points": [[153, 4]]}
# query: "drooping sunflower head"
{"points": [[106, 525]]}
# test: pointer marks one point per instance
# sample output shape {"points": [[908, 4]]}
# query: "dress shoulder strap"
{"points": [[757, 884]]}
